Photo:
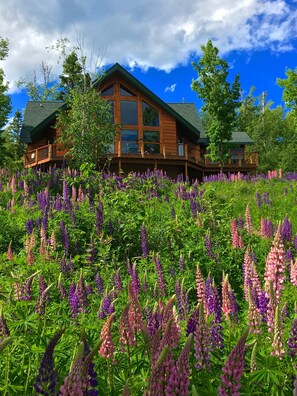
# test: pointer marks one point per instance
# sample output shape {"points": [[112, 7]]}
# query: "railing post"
{"points": [[186, 151], [50, 151], [119, 148], [141, 148], [36, 154], [164, 151]]}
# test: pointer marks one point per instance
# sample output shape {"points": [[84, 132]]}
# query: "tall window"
{"points": [[151, 141], [129, 139], [150, 116], [129, 114]]}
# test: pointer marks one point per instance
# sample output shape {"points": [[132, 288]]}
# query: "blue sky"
{"points": [[155, 40]]}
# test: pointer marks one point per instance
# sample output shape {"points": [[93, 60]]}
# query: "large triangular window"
{"points": [[125, 92]]}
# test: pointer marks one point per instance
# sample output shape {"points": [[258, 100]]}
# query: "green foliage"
{"points": [[220, 99]]}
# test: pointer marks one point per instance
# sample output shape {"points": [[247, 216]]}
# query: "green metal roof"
{"points": [[37, 115], [189, 112]]}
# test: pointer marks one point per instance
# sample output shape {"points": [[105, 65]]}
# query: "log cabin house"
{"points": [[152, 134]]}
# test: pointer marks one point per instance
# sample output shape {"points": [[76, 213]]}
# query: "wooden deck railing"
{"points": [[188, 152]]}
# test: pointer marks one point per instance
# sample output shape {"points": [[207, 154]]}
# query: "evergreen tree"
{"points": [[14, 148], [220, 100]]}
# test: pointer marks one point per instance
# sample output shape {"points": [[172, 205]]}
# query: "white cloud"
{"points": [[158, 33], [170, 88]]}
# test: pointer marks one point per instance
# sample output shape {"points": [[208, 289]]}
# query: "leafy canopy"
{"points": [[220, 99]]}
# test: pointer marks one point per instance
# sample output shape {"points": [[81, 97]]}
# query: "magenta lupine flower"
{"points": [[292, 343], [293, 273], [200, 285], [81, 294], [107, 347], [127, 335], [248, 219], [202, 341], [192, 322], [46, 379], [173, 331], [135, 311], [183, 368], [235, 237], [118, 281], [254, 316], [76, 383], [277, 343], [154, 320], [171, 381], [144, 245], [233, 369], [161, 277], [226, 297], [135, 283], [275, 267]]}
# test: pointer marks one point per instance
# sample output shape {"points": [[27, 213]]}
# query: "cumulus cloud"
{"points": [[170, 88], [158, 33]]}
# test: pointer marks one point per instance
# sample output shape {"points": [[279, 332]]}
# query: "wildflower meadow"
{"points": [[143, 285]]}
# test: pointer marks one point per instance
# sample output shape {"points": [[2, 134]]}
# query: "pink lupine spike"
{"points": [[293, 273], [248, 219], [276, 266], [200, 285], [277, 343], [107, 347]]}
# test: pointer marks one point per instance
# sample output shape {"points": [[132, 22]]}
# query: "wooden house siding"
{"points": [[169, 133]]}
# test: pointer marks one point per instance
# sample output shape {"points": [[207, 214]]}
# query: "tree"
{"points": [[14, 148], [86, 123], [5, 103], [220, 100], [40, 86]]}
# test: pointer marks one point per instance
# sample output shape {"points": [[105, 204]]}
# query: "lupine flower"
{"points": [[263, 306], [293, 273], [127, 336], [46, 379], [135, 311], [181, 263], [4, 331], [135, 283], [248, 219], [233, 369], [107, 348], [41, 301], [183, 369], [253, 365], [275, 267], [118, 281], [277, 343], [76, 383], [254, 316], [10, 255], [73, 299], [192, 322], [145, 286], [271, 307], [144, 245], [292, 343], [200, 285], [99, 283], [202, 341], [228, 306], [81, 294], [92, 376], [161, 277], [286, 230], [107, 307]]}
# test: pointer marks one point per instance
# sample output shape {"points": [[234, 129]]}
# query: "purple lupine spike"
{"points": [[145, 286], [81, 294], [99, 217], [92, 376], [46, 379], [135, 283], [286, 230], [258, 199], [41, 301], [99, 283], [202, 341], [144, 244], [172, 212], [107, 307], [183, 368], [233, 369], [73, 299], [161, 277], [192, 322], [153, 321], [29, 226], [63, 265], [292, 343]]}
